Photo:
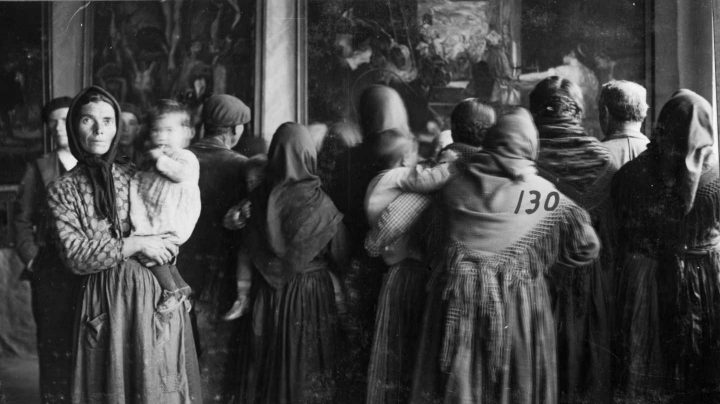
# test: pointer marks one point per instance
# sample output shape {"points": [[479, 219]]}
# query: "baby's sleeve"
{"points": [[181, 166], [426, 179]]}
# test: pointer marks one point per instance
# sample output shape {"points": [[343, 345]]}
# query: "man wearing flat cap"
{"points": [[207, 260]]}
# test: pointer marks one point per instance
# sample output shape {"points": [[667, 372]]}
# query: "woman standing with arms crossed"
{"points": [[124, 352]]}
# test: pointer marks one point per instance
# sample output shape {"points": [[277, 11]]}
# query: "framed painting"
{"points": [[24, 69], [438, 52], [143, 51]]}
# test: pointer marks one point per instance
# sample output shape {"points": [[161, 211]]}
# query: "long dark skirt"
{"points": [[583, 334], [212, 279], [302, 358], [55, 295], [397, 332], [363, 281], [641, 363], [254, 333], [125, 352]]}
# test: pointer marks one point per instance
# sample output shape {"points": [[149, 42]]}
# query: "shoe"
{"points": [[237, 310]]}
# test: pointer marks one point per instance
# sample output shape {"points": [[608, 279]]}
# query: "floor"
{"points": [[19, 381]]}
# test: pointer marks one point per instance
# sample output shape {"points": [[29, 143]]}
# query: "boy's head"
{"points": [[396, 147], [170, 125], [470, 121], [130, 124]]}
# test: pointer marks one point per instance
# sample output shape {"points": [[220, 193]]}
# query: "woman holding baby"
{"points": [[125, 349]]}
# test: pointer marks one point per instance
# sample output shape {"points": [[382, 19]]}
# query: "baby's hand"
{"points": [[448, 156], [156, 153]]}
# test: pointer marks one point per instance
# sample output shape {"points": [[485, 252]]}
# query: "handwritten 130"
{"points": [[552, 200]]}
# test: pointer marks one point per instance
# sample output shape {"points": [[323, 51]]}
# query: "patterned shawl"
{"points": [[579, 165]]}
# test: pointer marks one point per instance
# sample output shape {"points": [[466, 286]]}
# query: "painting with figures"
{"points": [[145, 51], [436, 53]]}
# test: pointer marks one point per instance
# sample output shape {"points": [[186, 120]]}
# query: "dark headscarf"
{"points": [[683, 128], [578, 164], [300, 218], [381, 108], [98, 168]]}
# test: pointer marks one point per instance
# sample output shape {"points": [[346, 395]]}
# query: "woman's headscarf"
{"points": [[578, 164], [340, 138], [510, 147], [98, 168], [482, 198], [381, 108], [682, 142], [301, 219]]}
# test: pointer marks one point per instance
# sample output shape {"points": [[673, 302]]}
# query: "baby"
{"points": [[398, 155], [165, 199]]}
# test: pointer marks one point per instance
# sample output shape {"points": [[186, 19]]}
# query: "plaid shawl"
{"points": [[576, 163]]}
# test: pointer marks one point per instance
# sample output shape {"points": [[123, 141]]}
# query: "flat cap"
{"points": [[223, 110]]}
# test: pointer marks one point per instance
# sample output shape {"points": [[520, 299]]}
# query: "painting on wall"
{"points": [[23, 86], [455, 31], [433, 52], [187, 50], [586, 42]]}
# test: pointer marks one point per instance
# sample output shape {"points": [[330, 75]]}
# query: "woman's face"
{"points": [[129, 129], [56, 125], [97, 127]]}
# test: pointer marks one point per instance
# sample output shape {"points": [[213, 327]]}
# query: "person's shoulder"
{"points": [[47, 159], [636, 170], [64, 183]]}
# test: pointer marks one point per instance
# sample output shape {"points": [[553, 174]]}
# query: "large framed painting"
{"points": [[438, 52], [143, 51]]}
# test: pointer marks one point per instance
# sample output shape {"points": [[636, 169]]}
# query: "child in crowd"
{"points": [[398, 155], [165, 199]]}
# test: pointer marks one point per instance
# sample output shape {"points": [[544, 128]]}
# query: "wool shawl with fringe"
{"points": [[294, 220], [492, 222], [579, 165]]}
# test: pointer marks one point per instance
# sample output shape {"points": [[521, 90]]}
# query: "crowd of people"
{"points": [[525, 262]]}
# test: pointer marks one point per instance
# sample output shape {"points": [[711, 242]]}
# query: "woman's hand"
{"points": [[237, 217], [152, 250]]}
